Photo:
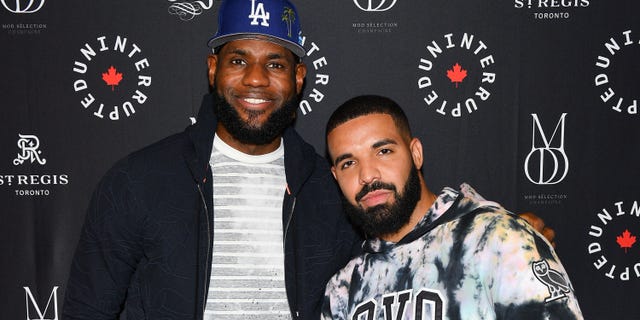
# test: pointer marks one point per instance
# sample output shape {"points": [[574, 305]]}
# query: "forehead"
{"points": [[362, 132], [256, 46]]}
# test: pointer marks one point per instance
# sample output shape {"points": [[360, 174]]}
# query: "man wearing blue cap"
{"points": [[234, 218]]}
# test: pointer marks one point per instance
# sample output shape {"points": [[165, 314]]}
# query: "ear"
{"points": [[416, 152], [212, 62], [333, 171], [301, 72]]}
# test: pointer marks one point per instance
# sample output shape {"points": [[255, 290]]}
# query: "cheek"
{"points": [[226, 77], [396, 173], [348, 186], [285, 85]]}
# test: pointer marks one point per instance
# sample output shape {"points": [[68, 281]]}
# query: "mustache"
{"points": [[376, 185]]}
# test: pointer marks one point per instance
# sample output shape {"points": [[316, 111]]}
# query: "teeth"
{"points": [[254, 100]]}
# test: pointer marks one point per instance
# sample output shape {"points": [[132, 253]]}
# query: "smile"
{"points": [[255, 100]]}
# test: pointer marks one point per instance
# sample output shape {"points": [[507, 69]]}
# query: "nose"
{"points": [[256, 76], [368, 173]]}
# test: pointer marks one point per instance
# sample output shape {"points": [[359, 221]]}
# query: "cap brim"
{"points": [[294, 47]]}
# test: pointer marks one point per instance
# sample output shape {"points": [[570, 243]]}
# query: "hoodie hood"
{"points": [[449, 205]]}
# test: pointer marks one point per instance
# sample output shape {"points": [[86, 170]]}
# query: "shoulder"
{"points": [[498, 219], [155, 165], [158, 153], [503, 227], [504, 241], [488, 231]]}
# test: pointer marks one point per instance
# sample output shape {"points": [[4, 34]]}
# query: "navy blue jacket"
{"points": [[147, 239]]}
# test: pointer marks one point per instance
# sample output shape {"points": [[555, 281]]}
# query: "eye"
{"points": [[346, 164], [237, 61], [275, 65], [385, 151]]}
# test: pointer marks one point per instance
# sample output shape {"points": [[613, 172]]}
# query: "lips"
{"points": [[375, 198], [255, 103], [255, 100]]}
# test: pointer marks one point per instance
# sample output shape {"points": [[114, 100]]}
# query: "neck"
{"points": [[250, 149]]}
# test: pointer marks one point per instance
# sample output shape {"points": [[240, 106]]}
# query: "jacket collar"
{"points": [[201, 135], [299, 159]]}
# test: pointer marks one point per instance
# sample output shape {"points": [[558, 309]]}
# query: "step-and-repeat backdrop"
{"points": [[533, 102]]}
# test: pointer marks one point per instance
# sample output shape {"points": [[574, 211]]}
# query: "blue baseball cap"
{"points": [[272, 20]]}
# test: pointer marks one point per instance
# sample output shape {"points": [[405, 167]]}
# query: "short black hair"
{"points": [[365, 105]]}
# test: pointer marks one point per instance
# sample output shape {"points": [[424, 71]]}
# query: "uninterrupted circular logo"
{"points": [[317, 78], [614, 243], [455, 74], [113, 77], [614, 68]]}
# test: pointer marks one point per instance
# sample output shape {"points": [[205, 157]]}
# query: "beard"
{"points": [[251, 132], [385, 218]]}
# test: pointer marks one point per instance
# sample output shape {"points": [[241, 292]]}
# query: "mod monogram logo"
{"points": [[46, 314], [547, 164], [375, 5], [23, 6]]}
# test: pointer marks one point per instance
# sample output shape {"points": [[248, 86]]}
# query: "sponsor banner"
{"points": [[546, 164], [35, 180], [373, 23], [550, 9], [21, 9]]}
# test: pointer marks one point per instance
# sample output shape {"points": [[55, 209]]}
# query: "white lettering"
{"points": [[53, 297]]}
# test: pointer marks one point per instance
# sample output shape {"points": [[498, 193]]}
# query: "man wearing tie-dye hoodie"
{"points": [[453, 255]]}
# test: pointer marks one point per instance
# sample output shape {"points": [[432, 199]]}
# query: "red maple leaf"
{"points": [[456, 74], [112, 77], [626, 240]]}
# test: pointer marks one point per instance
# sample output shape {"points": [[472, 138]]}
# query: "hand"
{"points": [[538, 224]]}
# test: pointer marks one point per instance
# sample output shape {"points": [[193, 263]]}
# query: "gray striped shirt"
{"points": [[247, 275]]}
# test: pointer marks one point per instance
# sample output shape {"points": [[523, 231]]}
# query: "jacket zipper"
{"points": [[286, 229], [206, 213], [284, 243]]}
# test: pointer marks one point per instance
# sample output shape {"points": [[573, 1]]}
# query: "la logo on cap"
{"points": [[258, 12]]}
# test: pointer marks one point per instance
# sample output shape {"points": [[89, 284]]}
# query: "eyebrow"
{"points": [[270, 56], [383, 142], [238, 51], [274, 56], [341, 157], [376, 145]]}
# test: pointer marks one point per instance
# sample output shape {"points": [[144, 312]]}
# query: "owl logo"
{"points": [[557, 285]]}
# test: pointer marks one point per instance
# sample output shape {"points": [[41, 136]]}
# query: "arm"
{"points": [[108, 252], [529, 279], [538, 224]]}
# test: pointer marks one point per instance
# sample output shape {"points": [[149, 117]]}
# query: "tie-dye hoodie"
{"points": [[468, 258]]}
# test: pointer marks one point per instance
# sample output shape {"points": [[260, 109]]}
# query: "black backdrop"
{"points": [[545, 119]]}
